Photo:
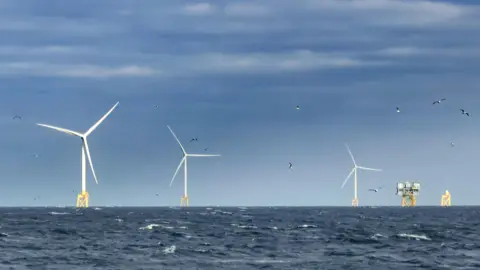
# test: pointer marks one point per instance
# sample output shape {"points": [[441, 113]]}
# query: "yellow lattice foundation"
{"points": [[82, 200], [184, 201], [355, 202], [446, 199], [409, 200]]}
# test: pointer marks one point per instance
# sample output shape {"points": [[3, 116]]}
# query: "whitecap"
{"points": [[222, 212], [307, 226], [153, 225], [414, 236], [244, 226], [170, 249], [378, 235], [149, 227], [58, 213]]}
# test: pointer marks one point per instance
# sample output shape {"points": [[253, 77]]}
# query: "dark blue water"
{"points": [[240, 238]]}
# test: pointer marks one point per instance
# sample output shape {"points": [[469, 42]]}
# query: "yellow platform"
{"points": [[409, 200], [82, 200], [355, 202], [446, 199], [184, 201]]}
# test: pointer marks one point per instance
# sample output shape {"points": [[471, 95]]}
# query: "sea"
{"points": [[240, 238]]}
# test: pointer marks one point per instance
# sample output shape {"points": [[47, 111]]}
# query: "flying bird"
{"points": [[206, 149], [398, 109], [452, 144], [375, 189], [17, 117], [194, 139], [290, 165], [298, 107], [464, 112], [35, 155], [439, 101]]}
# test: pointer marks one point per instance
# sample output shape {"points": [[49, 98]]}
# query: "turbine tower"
{"points": [[184, 199], [354, 170], [82, 198]]}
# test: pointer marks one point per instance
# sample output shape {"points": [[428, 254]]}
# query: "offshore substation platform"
{"points": [[409, 192]]}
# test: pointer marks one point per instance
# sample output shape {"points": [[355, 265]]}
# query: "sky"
{"points": [[232, 73]]}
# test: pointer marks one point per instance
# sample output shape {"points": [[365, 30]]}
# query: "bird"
{"points": [[290, 165], [156, 106], [464, 112], [194, 139], [398, 109], [298, 107], [375, 189], [439, 101], [35, 155], [452, 144], [206, 149], [17, 117]]}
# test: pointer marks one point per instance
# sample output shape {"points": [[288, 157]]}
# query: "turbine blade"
{"points": [[346, 179], [87, 150], [178, 168], [176, 138], [201, 155], [369, 169], [90, 130], [350, 152], [64, 130]]}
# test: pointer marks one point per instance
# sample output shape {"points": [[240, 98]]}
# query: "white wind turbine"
{"points": [[354, 170], [82, 198], [184, 199]]}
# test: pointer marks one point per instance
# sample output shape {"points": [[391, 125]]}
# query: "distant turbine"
{"points": [[184, 199], [82, 198], [354, 170]]}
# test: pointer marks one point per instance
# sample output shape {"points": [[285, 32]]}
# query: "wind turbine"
{"points": [[82, 198], [354, 170], [184, 199]]}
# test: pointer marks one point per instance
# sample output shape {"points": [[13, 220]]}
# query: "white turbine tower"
{"points": [[82, 198], [354, 170], [184, 199]]}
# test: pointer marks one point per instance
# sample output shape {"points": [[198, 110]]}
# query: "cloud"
{"points": [[79, 71], [48, 49], [246, 10], [400, 51], [199, 9], [170, 65], [427, 51], [264, 62], [394, 11], [102, 72], [236, 37]]}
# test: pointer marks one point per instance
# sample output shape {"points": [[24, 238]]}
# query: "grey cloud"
{"points": [[85, 71], [233, 36]]}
